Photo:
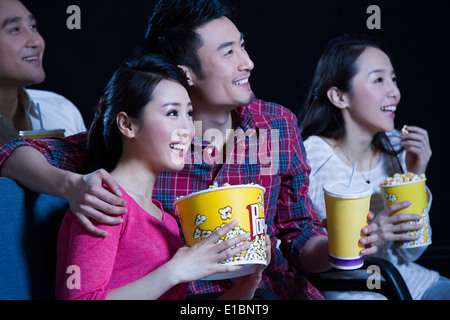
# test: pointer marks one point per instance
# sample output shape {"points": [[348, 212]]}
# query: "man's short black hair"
{"points": [[171, 31]]}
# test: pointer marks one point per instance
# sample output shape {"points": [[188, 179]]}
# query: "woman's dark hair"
{"points": [[336, 68], [171, 31], [129, 90]]}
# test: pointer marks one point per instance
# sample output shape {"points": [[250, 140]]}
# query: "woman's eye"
{"points": [[190, 114], [377, 80], [172, 113]]}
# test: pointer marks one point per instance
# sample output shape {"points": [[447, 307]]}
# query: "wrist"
{"points": [[66, 183], [172, 271]]}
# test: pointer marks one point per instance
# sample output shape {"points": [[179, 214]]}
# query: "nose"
{"points": [[183, 133], [394, 91], [186, 129], [34, 39], [245, 63]]}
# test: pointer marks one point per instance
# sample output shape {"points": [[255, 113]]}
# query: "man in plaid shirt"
{"points": [[239, 140]]}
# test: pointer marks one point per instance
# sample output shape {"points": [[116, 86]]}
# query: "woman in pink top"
{"points": [[143, 126]]}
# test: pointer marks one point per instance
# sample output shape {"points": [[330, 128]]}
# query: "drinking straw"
{"points": [[351, 177]]}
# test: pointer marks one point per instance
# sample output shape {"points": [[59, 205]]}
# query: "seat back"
{"points": [[29, 225]]}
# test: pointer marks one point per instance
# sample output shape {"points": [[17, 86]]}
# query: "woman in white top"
{"points": [[349, 116]]}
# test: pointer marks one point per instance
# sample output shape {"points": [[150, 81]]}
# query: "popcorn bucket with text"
{"points": [[38, 134], [205, 211], [414, 191]]}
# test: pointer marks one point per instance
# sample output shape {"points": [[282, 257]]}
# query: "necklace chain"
{"points": [[367, 179]]}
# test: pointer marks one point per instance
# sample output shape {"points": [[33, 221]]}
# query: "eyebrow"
{"points": [[12, 20], [380, 71], [176, 104], [230, 43]]}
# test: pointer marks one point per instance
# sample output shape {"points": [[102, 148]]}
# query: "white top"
{"points": [[327, 167], [57, 113]]}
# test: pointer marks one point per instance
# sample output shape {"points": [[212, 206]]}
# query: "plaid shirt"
{"points": [[268, 151]]}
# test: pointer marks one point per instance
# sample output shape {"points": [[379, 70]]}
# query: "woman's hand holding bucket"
{"points": [[204, 258], [391, 226]]}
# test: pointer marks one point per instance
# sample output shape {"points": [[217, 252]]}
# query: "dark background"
{"points": [[284, 39]]}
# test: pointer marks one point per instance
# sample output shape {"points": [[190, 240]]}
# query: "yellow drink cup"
{"points": [[415, 192], [38, 134], [205, 211], [347, 210]]}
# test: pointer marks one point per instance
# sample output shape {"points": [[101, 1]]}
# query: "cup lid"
{"points": [[340, 189]]}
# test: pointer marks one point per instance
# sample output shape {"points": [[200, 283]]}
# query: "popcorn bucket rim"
{"points": [[402, 184], [238, 186]]}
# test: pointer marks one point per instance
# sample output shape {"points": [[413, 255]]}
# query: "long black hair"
{"points": [[336, 68], [129, 90]]}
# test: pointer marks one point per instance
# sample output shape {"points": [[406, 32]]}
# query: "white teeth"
{"points": [[30, 58], [389, 108], [177, 146], [240, 82]]}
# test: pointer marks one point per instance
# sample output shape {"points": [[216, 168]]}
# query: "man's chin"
{"points": [[250, 99], [34, 79]]}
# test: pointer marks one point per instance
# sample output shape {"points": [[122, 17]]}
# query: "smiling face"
{"points": [[374, 97], [21, 46], [226, 66], [164, 132]]}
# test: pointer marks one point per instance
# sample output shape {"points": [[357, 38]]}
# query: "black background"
{"points": [[284, 39]]}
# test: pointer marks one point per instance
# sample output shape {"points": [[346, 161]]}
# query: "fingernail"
{"points": [[363, 240]]}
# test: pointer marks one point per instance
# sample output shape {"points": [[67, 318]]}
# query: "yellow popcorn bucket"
{"points": [[415, 192], [205, 211], [38, 134]]}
